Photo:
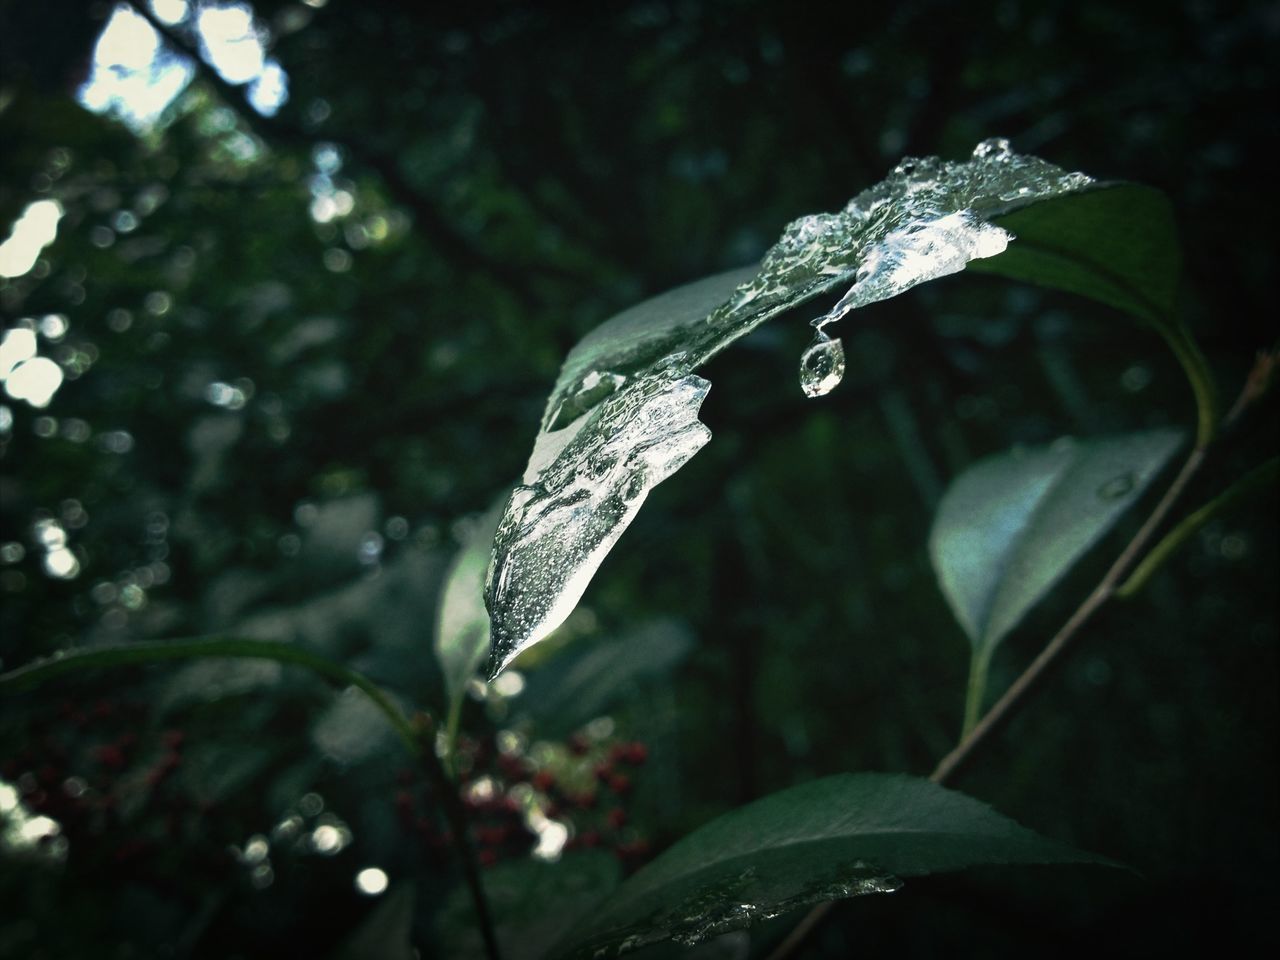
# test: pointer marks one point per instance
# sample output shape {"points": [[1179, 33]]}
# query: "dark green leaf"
{"points": [[832, 838], [1117, 244], [1012, 525]]}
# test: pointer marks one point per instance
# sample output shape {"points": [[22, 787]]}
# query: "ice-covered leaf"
{"points": [[462, 623], [1117, 244], [827, 839], [1011, 526], [624, 412], [532, 903]]}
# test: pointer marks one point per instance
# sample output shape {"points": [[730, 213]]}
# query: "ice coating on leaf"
{"points": [[623, 414], [585, 484]]}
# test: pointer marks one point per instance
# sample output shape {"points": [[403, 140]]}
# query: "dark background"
{"points": [[537, 168]]}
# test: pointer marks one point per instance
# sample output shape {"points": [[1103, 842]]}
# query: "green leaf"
{"points": [[462, 626], [1117, 244], [532, 903], [624, 412], [827, 839], [1011, 526]]}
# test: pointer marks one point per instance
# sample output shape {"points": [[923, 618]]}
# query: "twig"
{"points": [[1255, 479], [34, 674], [456, 815]]}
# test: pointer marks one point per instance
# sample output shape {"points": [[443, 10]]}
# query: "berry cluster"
{"points": [[109, 789], [538, 799]]}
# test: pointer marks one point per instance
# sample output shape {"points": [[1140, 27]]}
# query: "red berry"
{"points": [[512, 768], [585, 801], [617, 818], [620, 784], [637, 753], [544, 780], [590, 839], [578, 744], [487, 858], [603, 772], [110, 755], [633, 850]]}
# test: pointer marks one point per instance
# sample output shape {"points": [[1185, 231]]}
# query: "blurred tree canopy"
{"points": [[303, 351]]}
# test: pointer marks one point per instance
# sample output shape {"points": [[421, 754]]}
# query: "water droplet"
{"points": [[821, 365], [995, 148], [1116, 487]]}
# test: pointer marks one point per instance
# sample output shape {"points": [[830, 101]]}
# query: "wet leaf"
{"points": [[1117, 244], [1011, 526], [624, 412], [828, 839]]}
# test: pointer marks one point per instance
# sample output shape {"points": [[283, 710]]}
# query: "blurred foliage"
{"points": [[284, 428]]}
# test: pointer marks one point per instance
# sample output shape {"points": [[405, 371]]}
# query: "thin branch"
{"points": [[456, 815], [1256, 479], [1004, 708]]}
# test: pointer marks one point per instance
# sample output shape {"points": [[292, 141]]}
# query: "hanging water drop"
{"points": [[821, 365]]}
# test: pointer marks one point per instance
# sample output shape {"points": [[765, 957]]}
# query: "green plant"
{"points": [[623, 418]]}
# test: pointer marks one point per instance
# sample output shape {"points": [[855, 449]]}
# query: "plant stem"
{"points": [[419, 738], [1195, 366], [452, 721], [975, 690], [34, 674], [456, 816], [1255, 479], [1002, 712]]}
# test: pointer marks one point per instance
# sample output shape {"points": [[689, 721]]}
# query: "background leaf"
{"points": [[1117, 244], [827, 839], [1012, 525], [462, 624]]}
